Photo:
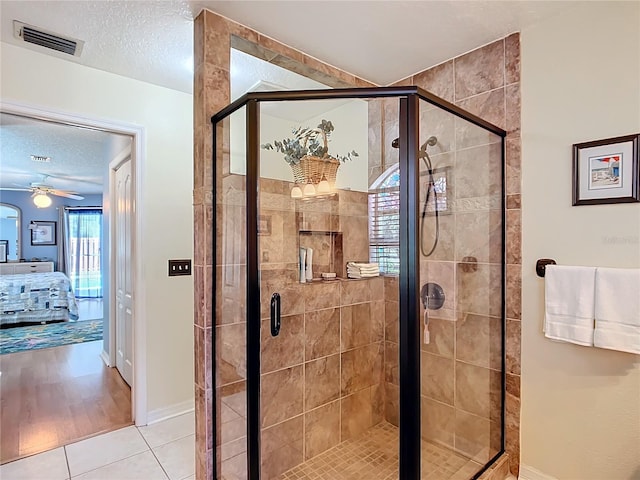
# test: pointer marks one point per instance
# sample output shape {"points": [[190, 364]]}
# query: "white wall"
{"points": [[580, 82], [46, 82]]}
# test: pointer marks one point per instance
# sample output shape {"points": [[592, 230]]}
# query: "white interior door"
{"points": [[123, 266]]}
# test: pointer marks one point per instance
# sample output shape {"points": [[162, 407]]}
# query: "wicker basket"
{"points": [[311, 169]]}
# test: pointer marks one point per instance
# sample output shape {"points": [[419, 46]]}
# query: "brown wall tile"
{"points": [[437, 380], [438, 80], [282, 447], [321, 295], [356, 414], [478, 341], [322, 429], [480, 70], [282, 395], [442, 337], [472, 436], [361, 368], [285, 350], [392, 404], [322, 330], [322, 381], [438, 422], [512, 58], [356, 326], [472, 389]]}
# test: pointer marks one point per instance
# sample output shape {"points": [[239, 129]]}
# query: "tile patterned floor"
{"points": [[162, 451], [374, 456]]}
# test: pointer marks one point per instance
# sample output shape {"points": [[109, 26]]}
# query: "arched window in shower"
{"points": [[384, 218]]}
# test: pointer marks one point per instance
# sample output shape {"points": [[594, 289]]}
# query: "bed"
{"points": [[36, 298]]}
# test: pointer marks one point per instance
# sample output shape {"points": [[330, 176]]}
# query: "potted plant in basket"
{"points": [[308, 155]]}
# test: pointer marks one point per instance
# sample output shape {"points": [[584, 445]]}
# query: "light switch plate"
{"points": [[179, 267]]}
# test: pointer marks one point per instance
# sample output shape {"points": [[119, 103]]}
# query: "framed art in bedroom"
{"points": [[43, 233], [606, 171]]}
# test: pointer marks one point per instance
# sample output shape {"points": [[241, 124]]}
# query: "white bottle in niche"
{"points": [[309, 265], [303, 261]]}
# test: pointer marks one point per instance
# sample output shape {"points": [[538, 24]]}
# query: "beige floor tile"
{"points": [[104, 449], [51, 465], [142, 466], [178, 457], [169, 430]]}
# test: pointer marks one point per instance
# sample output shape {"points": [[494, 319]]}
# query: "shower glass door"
{"points": [[461, 278], [322, 335], [358, 327]]}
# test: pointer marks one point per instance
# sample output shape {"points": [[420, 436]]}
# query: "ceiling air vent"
{"points": [[40, 159], [50, 40]]}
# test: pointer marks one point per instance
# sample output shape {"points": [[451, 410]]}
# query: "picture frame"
{"points": [[606, 171], [442, 185], [4, 250], [43, 233]]}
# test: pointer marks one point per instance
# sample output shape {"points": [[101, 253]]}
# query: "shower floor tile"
{"points": [[374, 455]]}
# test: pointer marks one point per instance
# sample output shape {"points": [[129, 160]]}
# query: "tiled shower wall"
{"points": [[485, 82], [214, 36]]}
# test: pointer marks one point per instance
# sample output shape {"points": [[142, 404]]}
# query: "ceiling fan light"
{"points": [[42, 200]]}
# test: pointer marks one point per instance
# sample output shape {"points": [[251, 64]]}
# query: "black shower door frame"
{"points": [[409, 314]]}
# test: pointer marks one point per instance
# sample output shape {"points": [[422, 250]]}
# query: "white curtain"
{"points": [[84, 245], [63, 243]]}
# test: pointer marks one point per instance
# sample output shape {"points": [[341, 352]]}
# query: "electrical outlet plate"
{"points": [[179, 267]]}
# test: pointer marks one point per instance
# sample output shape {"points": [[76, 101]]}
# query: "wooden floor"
{"points": [[55, 396]]}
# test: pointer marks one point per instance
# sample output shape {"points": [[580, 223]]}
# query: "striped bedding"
{"points": [[36, 298]]}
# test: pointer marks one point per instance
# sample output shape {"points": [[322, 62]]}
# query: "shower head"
{"points": [[431, 141]]}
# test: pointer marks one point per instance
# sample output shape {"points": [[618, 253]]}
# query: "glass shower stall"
{"points": [[359, 327]]}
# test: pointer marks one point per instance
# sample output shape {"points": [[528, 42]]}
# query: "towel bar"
{"points": [[542, 263]]}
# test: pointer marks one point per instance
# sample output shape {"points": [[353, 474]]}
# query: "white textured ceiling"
{"points": [[79, 156], [381, 41]]}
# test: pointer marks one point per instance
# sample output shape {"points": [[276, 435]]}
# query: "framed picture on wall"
{"points": [[606, 171], [4, 250], [43, 233]]}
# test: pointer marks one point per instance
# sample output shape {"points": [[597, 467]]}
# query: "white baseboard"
{"points": [[164, 413], [530, 473], [105, 358]]}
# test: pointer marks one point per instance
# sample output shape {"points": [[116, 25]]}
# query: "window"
{"points": [[85, 236], [384, 221]]}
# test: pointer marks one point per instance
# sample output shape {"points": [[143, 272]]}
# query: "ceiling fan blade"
{"points": [[61, 193], [26, 189]]}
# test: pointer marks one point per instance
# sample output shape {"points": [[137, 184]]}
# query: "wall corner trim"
{"points": [[105, 358], [175, 410], [530, 473]]}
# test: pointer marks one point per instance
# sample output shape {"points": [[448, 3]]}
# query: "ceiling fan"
{"points": [[41, 188]]}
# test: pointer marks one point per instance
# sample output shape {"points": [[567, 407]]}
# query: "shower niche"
{"points": [[350, 378]]}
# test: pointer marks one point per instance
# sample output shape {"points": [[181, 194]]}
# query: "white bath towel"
{"points": [[362, 270], [618, 309], [362, 265], [569, 303]]}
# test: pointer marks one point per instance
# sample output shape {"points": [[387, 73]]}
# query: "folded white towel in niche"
{"points": [[362, 265], [617, 309], [569, 303]]}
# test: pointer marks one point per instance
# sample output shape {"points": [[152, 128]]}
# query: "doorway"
{"points": [[136, 399]]}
